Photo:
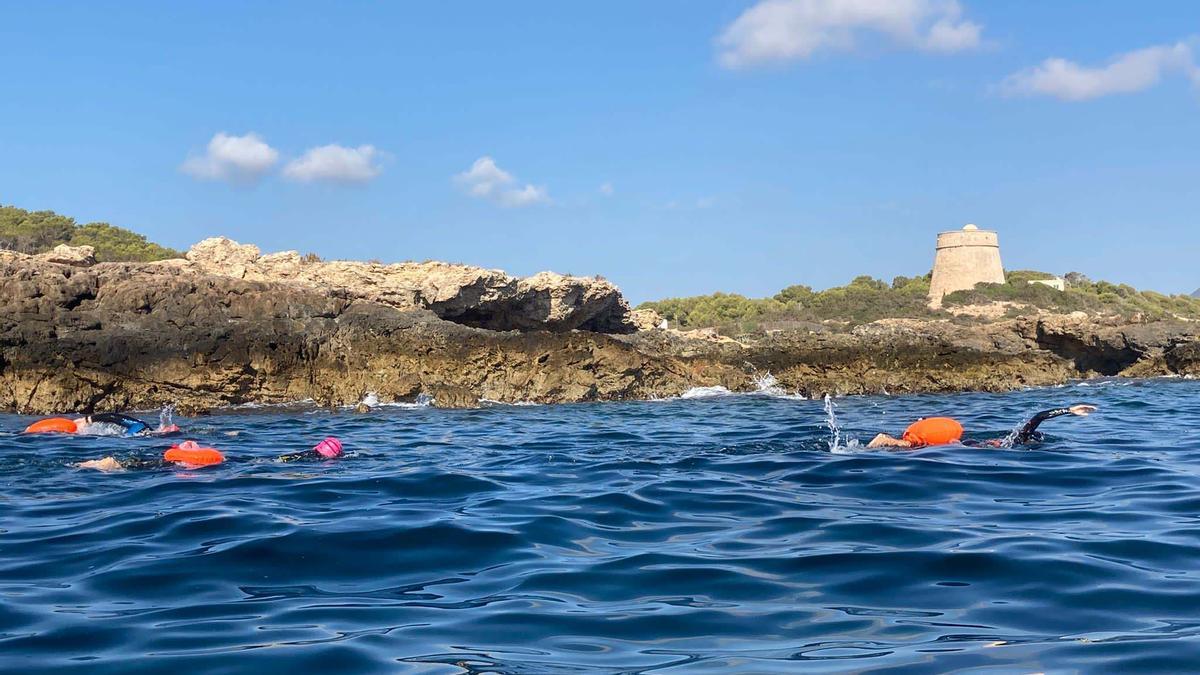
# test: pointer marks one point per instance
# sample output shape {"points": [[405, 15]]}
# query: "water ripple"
{"points": [[708, 534]]}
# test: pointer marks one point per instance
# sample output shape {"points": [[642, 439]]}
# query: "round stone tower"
{"points": [[964, 258]]}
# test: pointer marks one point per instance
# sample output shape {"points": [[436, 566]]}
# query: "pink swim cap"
{"points": [[329, 448]]}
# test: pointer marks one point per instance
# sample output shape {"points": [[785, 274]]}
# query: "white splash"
{"points": [[835, 431], [705, 392], [371, 400], [256, 406], [768, 385], [166, 416], [1010, 440], [836, 446], [100, 429]]}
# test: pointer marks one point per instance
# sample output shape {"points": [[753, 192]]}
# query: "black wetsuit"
{"points": [[137, 462], [131, 425], [1029, 433], [299, 456]]}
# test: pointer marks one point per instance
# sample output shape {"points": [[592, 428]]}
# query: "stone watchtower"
{"points": [[964, 258]]}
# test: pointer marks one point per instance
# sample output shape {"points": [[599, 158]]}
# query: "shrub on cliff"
{"points": [[866, 299], [862, 300], [115, 243], [40, 231], [1081, 294]]}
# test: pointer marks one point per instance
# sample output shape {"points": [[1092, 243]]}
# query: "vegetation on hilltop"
{"points": [[866, 299], [40, 231], [1081, 295], [862, 300]]}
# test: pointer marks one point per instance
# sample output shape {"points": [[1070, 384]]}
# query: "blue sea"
{"points": [[714, 533]]}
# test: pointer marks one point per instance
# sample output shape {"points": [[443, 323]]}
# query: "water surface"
{"points": [[715, 534]]}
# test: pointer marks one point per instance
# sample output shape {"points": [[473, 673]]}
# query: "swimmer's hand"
{"points": [[107, 464], [885, 441], [1082, 410]]}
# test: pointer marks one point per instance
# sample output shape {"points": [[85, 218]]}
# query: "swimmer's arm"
{"points": [[105, 464], [885, 441], [296, 456], [1027, 432], [110, 464]]}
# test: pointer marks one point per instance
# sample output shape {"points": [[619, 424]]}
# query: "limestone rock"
{"points": [[473, 296], [220, 255], [117, 336], [77, 256], [646, 319]]}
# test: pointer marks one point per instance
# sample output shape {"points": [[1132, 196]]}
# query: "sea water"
{"points": [[710, 533]]}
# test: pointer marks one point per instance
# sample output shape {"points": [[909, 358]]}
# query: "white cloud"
{"points": [[335, 164], [486, 180], [525, 196], [785, 30], [233, 158], [1124, 74], [606, 189]]}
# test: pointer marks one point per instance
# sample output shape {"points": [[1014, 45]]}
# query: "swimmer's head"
{"points": [[329, 448]]}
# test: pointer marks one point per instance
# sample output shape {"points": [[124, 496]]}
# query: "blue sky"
{"points": [[677, 147]]}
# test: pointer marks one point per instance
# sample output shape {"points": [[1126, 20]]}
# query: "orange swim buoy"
{"points": [[189, 452], [933, 431], [53, 425]]}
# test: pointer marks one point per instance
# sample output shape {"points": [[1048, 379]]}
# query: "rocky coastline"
{"points": [[228, 325]]}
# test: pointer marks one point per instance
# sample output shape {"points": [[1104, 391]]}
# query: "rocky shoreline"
{"points": [[229, 326]]}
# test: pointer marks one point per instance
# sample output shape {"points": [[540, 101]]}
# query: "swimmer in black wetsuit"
{"points": [[945, 431], [1029, 433], [330, 448], [134, 462], [116, 423], [119, 424]]}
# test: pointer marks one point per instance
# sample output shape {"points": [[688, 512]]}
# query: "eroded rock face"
{"points": [[116, 336], [646, 319], [472, 296], [79, 256]]}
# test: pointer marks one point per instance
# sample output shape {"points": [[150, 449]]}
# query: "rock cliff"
{"points": [[231, 326], [472, 296]]}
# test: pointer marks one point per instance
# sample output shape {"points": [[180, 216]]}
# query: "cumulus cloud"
{"points": [[1125, 73], [786, 30], [486, 180], [335, 164], [233, 158]]}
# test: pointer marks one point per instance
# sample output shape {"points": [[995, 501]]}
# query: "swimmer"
{"points": [[111, 424], [102, 424], [330, 448], [188, 454], [944, 431]]}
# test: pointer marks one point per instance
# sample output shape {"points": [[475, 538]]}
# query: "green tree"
{"points": [[40, 231], [118, 244]]}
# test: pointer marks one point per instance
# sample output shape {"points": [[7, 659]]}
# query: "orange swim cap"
{"points": [[188, 452], [933, 431], [59, 425]]}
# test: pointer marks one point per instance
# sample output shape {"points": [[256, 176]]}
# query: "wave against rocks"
{"points": [[230, 326]]}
